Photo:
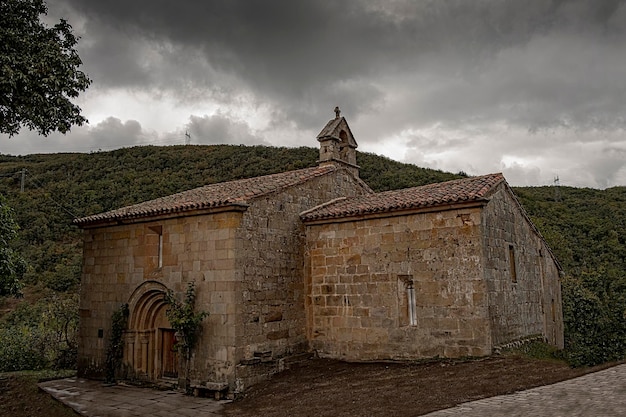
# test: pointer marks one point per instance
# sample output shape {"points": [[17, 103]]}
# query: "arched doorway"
{"points": [[149, 349]]}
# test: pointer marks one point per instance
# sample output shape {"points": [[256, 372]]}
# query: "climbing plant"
{"points": [[115, 350], [186, 322], [184, 319]]}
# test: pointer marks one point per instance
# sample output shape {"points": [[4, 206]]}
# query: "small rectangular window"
{"points": [[407, 307], [512, 263], [160, 262], [410, 290], [157, 246]]}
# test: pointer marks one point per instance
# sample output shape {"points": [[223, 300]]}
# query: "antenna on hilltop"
{"points": [[557, 191], [187, 138]]}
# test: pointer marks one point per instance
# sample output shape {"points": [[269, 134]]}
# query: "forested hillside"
{"points": [[584, 227]]}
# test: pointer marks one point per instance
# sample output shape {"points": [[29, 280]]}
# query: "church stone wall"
{"points": [[247, 267], [358, 278], [522, 278], [120, 260], [272, 326]]}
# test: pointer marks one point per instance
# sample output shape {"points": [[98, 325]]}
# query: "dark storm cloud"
{"points": [[539, 84], [298, 54]]}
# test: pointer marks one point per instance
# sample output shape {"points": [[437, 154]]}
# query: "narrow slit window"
{"points": [[160, 260], [410, 292], [512, 263], [156, 247], [407, 308]]}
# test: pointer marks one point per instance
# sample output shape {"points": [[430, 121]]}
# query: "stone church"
{"points": [[313, 261]]}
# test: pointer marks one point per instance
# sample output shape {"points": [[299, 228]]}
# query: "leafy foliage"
{"points": [[12, 266], [187, 324], [184, 319], [38, 71], [40, 336], [115, 350]]}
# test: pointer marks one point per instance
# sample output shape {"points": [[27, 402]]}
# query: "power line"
{"points": [[23, 177], [40, 186]]}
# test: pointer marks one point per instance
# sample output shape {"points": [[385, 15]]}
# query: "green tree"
{"points": [[187, 323], [38, 71], [12, 266]]}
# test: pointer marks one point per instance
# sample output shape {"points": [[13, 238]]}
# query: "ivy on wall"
{"points": [[184, 319], [187, 324], [115, 350]]}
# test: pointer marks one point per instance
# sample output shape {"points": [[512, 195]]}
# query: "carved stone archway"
{"points": [[148, 351]]}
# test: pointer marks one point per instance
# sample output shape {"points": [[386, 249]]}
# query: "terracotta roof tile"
{"points": [[432, 195], [222, 194]]}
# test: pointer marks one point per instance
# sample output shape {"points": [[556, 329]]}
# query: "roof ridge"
{"points": [[328, 203], [471, 189], [220, 194]]}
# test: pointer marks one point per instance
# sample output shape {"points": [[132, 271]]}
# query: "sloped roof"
{"points": [[231, 193], [332, 129], [432, 195]]}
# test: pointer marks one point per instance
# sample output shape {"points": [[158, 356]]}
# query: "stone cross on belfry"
{"points": [[337, 112]]}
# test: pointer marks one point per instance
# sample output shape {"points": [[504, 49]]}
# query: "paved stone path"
{"points": [[601, 393], [92, 399]]}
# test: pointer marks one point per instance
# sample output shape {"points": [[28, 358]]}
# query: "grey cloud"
{"points": [[110, 133], [219, 129], [282, 49], [294, 53], [479, 67], [114, 59]]}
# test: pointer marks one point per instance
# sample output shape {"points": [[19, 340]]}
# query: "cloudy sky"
{"points": [[534, 89]]}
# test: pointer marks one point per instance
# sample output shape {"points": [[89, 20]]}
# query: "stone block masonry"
{"points": [[271, 320], [362, 273], [408, 285], [127, 263], [522, 279]]}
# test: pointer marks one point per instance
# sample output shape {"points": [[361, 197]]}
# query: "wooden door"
{"points": [[169, 359]]}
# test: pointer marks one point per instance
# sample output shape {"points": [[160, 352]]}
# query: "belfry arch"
{"points": [[149, 341]]}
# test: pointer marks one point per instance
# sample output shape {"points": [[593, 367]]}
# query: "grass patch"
{"points": [[537, 350], [21, 397]]}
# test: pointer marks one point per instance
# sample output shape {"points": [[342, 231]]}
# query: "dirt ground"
{"points": [[20, 397], [319, 387], [331, 388]]}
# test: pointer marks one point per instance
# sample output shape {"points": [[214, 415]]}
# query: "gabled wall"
{"points": [[271, 323], [119, 264], [522, 278]]}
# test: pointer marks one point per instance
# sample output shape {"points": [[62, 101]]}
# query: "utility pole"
{"points": [[23, 180], [557, 191]]}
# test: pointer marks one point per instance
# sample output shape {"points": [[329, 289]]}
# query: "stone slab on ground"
{"points": [[94, 399]]}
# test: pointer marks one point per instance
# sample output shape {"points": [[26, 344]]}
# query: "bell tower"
{"points": [[337, 144]]}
